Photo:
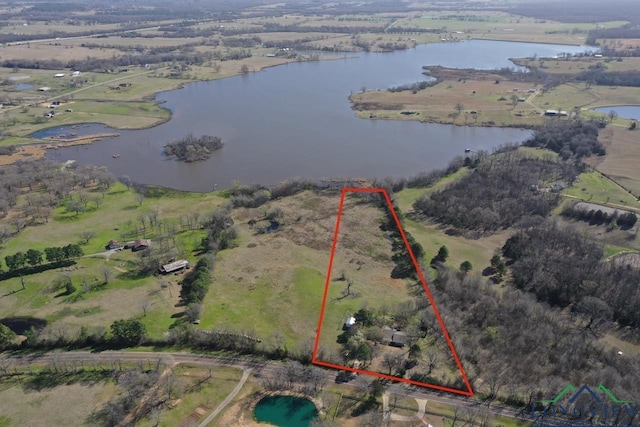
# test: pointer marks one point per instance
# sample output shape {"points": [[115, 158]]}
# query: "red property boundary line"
{"points": [[314, 359]]}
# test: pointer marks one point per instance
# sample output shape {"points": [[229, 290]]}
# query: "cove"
{"points": [[286, 411], [295, 120]]}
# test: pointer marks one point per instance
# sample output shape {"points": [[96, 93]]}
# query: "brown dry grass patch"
{"points": [[623, 157]]}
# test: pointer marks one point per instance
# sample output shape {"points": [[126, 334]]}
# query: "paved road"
{"points": [[261, 367]]}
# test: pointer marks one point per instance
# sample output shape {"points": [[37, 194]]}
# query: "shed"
{"points": [[174, 266]]}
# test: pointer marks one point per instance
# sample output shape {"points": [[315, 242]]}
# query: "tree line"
{"points": [[624, 220], [34, 257]]}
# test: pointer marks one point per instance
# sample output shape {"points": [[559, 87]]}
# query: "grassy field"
{"points": [[201, 395], [596, 188], [23, 403], [34, 399], [575, 65], [483, 103], [126, 295], [623, 155]]}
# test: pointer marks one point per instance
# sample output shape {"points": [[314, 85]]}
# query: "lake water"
{"points": [[626, 111], [286, 411], [295, 121]]}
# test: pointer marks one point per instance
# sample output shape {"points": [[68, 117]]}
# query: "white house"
{"points": [[350, 322]]}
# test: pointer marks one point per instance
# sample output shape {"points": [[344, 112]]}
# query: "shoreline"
{"points": [[38, 151]]}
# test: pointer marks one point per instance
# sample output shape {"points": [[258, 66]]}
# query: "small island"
{"points": [[191, 148]]}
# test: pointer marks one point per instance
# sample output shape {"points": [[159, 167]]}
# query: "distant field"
{"points": [[501, 26], [577, 65], [594, 187], [480, 101], [623, 157]]}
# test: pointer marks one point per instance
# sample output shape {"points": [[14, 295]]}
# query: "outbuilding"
{"points": [[174, 266]]}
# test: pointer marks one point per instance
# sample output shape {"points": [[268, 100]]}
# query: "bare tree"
{"points": [[146, 304], [514, 100], [88, 235], [139, 198], [392, 361], [107, 274], [459, 107]]}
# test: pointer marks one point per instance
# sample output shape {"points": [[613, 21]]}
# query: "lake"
{"points": [[626, 111], [295, 120]]}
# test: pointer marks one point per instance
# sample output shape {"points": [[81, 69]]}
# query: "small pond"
{"points": [[285, 411], [626, 111], [23, 86]]}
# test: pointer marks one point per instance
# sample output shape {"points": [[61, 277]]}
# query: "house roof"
{"points": [[350, 321]]}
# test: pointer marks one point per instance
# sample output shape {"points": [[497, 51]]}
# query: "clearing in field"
{"points": [[400, 337]]}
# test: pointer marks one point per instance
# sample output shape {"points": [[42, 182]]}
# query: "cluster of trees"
{"points": [[221, 232], [568, 137], [496, 194], [196, 283], [45, 184], [6, 336], [624, 220], [191, 148], [562, 267], [129, 332], [34, 257]]}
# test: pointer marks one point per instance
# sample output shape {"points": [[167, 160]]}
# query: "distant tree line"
{"points": [[102, 64], [497, 193], [191, 148], [568, 137], [628, 31], [611, 78]]}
